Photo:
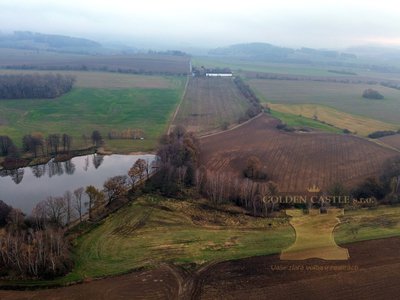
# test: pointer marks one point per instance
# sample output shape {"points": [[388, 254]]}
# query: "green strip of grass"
{"points": [[300, 121]]}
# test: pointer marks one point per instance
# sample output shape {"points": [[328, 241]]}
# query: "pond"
{"points": [[25, 187]]}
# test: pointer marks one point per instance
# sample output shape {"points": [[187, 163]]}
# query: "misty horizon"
{"points": [[177, 24]]}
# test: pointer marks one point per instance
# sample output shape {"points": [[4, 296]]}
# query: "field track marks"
{"points": [[230, 129], [171, 122]]}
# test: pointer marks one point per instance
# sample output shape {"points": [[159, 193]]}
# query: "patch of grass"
{"points": [[85, 109], [293, 120], [118, 245], [368, 224], [356, 124]]}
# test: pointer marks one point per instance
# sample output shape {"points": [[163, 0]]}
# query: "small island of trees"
{"points": [[372, 94]]}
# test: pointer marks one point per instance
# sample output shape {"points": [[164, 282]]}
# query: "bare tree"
{"points": [[68, 206], [78, 205], [66, 141], [96, 198], [97, 139]]}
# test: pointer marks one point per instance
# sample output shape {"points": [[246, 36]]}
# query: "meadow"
{"points": [[154, 230], [115, 102]]}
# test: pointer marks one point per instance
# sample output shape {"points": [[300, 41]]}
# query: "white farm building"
{"points": [[219, 74]]}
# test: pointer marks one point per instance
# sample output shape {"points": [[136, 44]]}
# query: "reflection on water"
{"points": [[24, 187], [53, 168]]}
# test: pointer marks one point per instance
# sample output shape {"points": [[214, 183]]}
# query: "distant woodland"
{"points": [[23, 86]]}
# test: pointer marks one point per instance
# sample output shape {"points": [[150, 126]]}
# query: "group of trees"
{"points": [[22, 86], [379, 134], [132, 134], [386, 188], [221, 188], [37, 145], [177, 163], [254, 169], [372, 94], [29, 248], [255, 105]]}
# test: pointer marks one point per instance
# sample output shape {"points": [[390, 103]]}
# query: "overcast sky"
{"points": [[210, 23]]}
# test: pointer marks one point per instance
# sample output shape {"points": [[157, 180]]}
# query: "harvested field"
{"points": [[209, 103], [252, 278], [107, 80], [341, 96], [392, 140], [138, 63], [356, 124], [295, 161]]}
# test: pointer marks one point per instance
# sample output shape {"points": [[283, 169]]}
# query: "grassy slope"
{"points": [[169, 234], [85, 109], [153, 230], [357, 124]]}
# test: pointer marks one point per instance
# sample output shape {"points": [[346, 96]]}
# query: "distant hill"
{"points": [[49, 42], [270, 52]]}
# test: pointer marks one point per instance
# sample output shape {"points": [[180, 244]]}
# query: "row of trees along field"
{"points": [[38, 145], [250, 190], [38, 245], [33, 86], [255, 105]]}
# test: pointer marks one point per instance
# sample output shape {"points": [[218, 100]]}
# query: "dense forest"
{"points": [[23, 86]]}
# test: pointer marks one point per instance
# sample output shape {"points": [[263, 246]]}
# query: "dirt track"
{"points": [[375, 268]]}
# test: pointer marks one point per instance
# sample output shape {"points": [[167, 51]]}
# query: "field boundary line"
{"points": [[171, 122], [383, 144], [232, 128]]}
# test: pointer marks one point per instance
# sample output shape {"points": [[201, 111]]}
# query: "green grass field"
{"points": [[85, 109], [154, 230]]}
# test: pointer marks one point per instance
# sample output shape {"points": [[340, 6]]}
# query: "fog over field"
{"points": [[178, 23]]}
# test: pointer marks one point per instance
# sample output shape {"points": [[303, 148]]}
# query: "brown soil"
{"points": [[392, 140], [371, 273], [295, 161]]}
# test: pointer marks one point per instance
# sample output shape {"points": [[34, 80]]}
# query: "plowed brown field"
{"points": [[295, 161], [392, 140]]}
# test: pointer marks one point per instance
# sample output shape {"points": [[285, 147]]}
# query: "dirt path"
{"points": [[370, 273], [232, 128], [178, 107]]}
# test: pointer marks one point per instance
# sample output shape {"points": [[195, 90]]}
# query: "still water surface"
{"points": [[25, 187]]}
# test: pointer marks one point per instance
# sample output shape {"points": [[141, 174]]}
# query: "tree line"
{"points": [[255, 105], [27, 86], [38, 145]]}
